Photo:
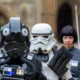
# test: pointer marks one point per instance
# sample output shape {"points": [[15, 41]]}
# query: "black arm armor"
{"points": [[59, 61]]}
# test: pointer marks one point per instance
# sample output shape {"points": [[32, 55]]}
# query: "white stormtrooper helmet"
{"points": [[42, 38]]}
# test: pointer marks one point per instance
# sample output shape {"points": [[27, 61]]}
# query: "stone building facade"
{"points": [[58, 13]]}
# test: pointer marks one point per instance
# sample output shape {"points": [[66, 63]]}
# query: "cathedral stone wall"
{"points": [[36, 11]]}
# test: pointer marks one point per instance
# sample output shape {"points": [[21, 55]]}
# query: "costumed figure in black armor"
{"points": [[16, 62]]}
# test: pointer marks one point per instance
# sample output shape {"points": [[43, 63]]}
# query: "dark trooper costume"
{"points": [[75, 61], [42, 42], [16, 63]]}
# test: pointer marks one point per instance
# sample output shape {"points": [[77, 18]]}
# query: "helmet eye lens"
{"points": [[35, 36], [24, 32], [45, 36], [6, 31], [42, 36]]}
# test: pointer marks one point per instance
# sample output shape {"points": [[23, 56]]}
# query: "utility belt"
{"points": [[12, 73], [15, 73]]}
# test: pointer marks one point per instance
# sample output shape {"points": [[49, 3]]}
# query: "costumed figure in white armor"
{"points": [[42, 43]]}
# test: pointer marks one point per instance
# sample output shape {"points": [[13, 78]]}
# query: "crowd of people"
{"points": [[50, 63]]}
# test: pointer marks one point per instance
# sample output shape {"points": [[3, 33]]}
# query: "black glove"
{"points": [[59, 61]]}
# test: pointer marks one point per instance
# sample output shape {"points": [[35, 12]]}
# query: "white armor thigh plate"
{"points": [[47, 71]]}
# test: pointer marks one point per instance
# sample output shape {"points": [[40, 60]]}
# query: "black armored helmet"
{"points": [[68, 31], [14, 37], [14, 30]]}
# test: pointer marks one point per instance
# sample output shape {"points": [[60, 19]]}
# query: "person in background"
{"points": [[68, 37]]}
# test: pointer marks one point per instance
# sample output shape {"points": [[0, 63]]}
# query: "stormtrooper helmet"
{"points": [[41, 38]]}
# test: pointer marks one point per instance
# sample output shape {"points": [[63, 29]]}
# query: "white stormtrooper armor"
{"points": [[42, 38], [42, 42]]}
